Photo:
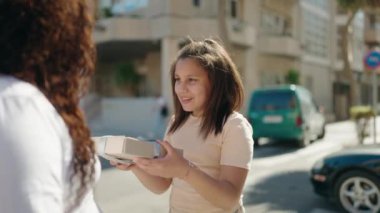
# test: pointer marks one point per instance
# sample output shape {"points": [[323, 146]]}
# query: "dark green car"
{"points": [[285, 112], [350, 177]]}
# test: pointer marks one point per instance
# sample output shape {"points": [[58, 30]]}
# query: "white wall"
{"points": [[136, 117]]}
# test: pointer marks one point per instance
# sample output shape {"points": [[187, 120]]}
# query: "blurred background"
{"points": [[325, 46]]}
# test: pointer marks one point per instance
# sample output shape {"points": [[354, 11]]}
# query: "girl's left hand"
{"points": [[170, 166]]}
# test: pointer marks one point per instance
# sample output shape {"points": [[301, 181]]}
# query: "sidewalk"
{"points": [[120, 191], [370, 139]]}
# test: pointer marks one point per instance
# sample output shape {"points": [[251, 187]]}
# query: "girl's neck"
{"points": [[195, 116]]}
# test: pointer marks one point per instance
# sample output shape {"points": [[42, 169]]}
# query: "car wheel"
{"points": [[304, 141], [322, 135], [256, 142], [357, 192]]}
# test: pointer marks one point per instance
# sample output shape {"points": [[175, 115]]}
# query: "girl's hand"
{"points": [[170, 166], [121, 166]]}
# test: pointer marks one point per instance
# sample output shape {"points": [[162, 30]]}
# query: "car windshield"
{"points": [[273, 100]]}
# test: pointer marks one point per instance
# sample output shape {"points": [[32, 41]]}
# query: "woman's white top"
{"points": [[35, 154]]}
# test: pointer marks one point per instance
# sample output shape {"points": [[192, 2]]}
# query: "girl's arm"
{"points": [[155, 184], [228, 186], [236, 155]]}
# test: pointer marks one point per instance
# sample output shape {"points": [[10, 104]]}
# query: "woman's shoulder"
{"points": [[22, 96], [22, 104], [18, 99], [11, 87]]}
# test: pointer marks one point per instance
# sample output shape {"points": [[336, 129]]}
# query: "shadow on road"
{"points": [[290, 191]]}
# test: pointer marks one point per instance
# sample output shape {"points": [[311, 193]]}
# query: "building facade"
{"points": [[268, 39]]}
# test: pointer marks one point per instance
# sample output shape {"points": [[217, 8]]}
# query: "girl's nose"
{"points": [[181, 88]]}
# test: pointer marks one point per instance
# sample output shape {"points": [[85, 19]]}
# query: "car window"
{"points": [[273, 100]]}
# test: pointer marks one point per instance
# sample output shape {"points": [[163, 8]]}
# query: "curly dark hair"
{"points": [[48, 44]]}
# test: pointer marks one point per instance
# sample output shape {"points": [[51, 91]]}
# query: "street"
{"points": [[278, 180]]}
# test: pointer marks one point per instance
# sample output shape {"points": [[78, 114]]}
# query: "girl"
{"points": [[208, 144]]}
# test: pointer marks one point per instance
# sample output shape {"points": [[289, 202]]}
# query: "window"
{"points": [[322, 4], [372, 21], [274, 100], [316, 34], [274, 24], [197, 3], [233, 8]]}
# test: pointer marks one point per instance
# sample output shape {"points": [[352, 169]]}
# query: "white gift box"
{"points": [[123, 149]]}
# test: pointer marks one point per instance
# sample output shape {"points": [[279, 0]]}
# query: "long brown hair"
{"points": [[48, 44], [226, 93]]}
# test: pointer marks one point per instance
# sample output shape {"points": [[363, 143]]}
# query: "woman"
{"points": [[47, 160]]}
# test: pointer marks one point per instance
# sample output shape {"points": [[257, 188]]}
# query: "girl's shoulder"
{"points": [[236, 119]]}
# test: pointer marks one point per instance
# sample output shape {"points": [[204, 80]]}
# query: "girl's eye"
{"points": [[192, 79], [176, 79]]}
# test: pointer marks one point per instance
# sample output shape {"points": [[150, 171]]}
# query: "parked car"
{"points": [[351, 178], [285, 112]]}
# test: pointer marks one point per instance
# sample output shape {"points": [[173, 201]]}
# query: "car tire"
{"points": [[357, 188], [256, 142], [304, 141], [322, 135]]}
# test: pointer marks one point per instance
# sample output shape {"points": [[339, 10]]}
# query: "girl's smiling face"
{"points": [[192, 86]]}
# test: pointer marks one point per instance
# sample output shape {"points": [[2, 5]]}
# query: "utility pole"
{"points": [[372, 62], [374, 102]]}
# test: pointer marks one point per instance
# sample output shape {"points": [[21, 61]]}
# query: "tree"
{"points": [[127, 77], [352, 7], [292, 77]]}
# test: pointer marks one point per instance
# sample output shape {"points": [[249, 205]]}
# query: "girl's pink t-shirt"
{"points": [[232, 147]]}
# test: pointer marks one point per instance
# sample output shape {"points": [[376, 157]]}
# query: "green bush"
{"points": [[358, 112], [292, 77]]}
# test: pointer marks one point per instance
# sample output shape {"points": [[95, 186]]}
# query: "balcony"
{"points": [[121, 28], [280, 45], [133, 29], [240, 33]]}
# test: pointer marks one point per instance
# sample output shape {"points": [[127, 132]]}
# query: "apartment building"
{"points": [[143, 37], [138, 40], [372, 42], [364, 36], [372, 29], [296, 36], [357, 48]]}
